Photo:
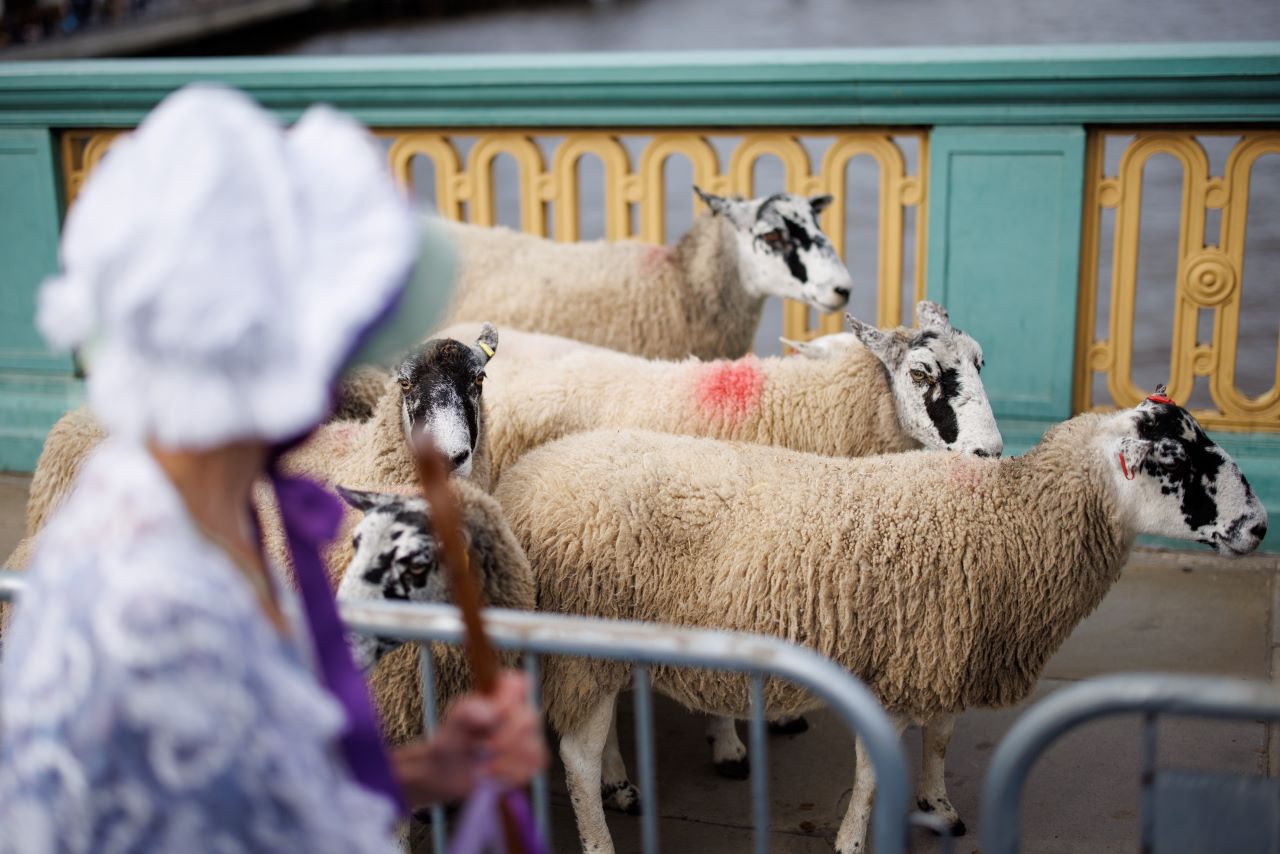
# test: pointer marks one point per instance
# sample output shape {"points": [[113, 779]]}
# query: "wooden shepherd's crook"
{"points": [[446, 521]]}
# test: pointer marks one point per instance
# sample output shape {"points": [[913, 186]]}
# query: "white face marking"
{"points": [[1176, 482], [934, 374], [446, 424], [783, 252]]}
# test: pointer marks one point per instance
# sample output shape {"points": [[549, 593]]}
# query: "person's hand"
{"points": [[497, 738]]}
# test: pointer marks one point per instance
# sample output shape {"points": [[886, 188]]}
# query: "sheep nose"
{"points": [[985, 454], [1259, 530], [843, 293], [459, 458]]}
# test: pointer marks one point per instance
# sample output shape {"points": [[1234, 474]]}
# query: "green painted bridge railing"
{"points": [[995, 193]]}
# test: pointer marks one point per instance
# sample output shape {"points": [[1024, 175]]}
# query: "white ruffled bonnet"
{"points": [[219, 271]]}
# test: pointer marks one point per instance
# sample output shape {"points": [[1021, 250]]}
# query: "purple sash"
{"points": [[480, 826], [311, 518]]}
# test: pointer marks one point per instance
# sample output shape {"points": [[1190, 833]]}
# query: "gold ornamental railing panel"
{"points": [[1210, 275], [636, 187]]}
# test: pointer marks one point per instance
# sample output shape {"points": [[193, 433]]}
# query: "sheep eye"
{"points": [[417, 569], [480, 378], [919, 376], [776, 239], [405, 384]]}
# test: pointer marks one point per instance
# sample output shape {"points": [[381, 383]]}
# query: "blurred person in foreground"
{"points": [[161, 690]]}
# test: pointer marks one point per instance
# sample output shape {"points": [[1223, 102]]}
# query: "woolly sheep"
{"points": [[848, 395], [702, 297], [943, 580]]}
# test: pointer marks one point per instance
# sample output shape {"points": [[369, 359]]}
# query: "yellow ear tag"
{"points": [[488, 351]]}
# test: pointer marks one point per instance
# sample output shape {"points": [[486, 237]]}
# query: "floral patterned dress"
{"points": [[148, 705]]}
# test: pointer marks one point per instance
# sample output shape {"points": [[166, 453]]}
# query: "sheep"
{"points": [[437, 389], [848, 395], [702, 297], [944, 581]]}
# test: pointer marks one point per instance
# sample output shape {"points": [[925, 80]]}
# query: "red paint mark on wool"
{"points": [[730, 389], [653, 258], [970, 472]]}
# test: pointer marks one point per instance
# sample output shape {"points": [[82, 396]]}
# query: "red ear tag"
{"points": [[1128, 475], [1160, 398]]}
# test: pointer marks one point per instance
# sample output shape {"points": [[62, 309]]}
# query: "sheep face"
{"points": [[1174, 481], [441, 384], [395, 555], [782, 251], [934, 375], [395, 559]]}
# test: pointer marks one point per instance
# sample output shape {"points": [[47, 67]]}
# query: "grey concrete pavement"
{"points": [[1169, 612]]}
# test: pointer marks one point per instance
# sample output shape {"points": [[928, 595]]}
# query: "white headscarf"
{"points": [[219, 270]]}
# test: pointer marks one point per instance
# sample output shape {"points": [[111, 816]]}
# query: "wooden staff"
{"points": [[446, 522]]}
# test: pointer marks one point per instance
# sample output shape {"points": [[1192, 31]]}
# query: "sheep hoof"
{"points": [[789, 726], [956, 827], [622, 797], [734, 769]]}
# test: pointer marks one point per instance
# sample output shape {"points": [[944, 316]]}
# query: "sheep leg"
{"points": [[931, 794], [615, 787], [581, 751], [728, 753], [852, 836]]}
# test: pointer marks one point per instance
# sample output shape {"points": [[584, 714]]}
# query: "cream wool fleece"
{"points": [[942, 580], [656, 301], [838, 406]]}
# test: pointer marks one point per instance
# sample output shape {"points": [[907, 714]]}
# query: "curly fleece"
{"points": [[942, 580], [839, 406], [635, 297]]}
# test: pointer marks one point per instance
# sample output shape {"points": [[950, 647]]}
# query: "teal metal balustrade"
{"points": [[1006, 193]]}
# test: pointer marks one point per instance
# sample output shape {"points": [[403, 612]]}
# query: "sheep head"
{"points": [[396, 559], [1172, 480], [441, 384], [782, 251], [933, 374]]}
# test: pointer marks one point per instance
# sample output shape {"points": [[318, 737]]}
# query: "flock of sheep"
{"points": [[623, 457]]}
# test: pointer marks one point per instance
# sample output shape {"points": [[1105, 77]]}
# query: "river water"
{"points": [[641, 25]]}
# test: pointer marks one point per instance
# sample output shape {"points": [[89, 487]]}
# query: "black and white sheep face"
{"points": [[441, 385], [1176, 482], [395, 560], [781, 248], [934, 373]]}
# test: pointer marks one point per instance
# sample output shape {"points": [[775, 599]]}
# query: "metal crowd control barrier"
{"points": [[645, 644], [1182, 811]]}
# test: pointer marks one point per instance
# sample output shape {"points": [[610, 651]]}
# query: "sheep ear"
{"points": [[487, 343], [820, 203], [1133, 453], [930, 315], [884, 345], [719, 204], [363, 500], [807, 349]]}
